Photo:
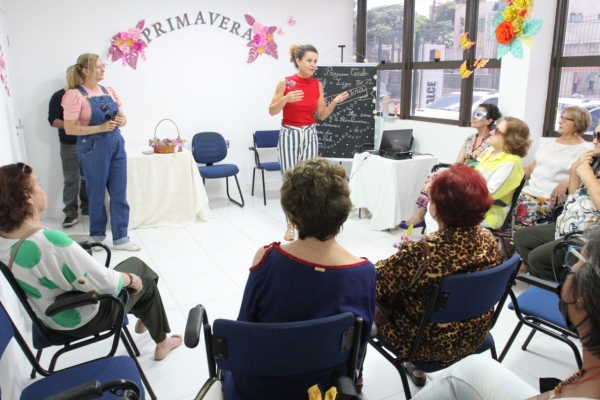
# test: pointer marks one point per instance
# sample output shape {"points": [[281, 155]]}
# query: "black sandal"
{"points": [[409, 369]]}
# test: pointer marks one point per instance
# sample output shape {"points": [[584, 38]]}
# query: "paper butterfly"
{"points": [[480, 63], [464, 72], [465, 43], [280, 31], [291, 21]]}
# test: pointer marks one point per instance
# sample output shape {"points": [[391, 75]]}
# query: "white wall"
{"points": [[197, 76]]}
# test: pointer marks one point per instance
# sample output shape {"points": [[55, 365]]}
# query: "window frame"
{"points": [[558, 61], [407, 65]]}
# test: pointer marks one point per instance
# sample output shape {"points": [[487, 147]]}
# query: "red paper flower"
{"points": [[505, 33]]}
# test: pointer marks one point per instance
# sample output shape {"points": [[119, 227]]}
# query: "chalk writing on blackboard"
{"points": [[351, 123]]}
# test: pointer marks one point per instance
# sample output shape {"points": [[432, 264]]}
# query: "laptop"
{"points": [[397, 140]]}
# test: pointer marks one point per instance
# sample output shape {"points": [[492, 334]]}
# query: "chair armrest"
{"points": [[345, 386], [193, 326], [374, 331], [87, 390], [541, 283], [70, 300]]}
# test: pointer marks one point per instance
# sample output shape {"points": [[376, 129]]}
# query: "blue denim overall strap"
{"points": [[104, 162]]}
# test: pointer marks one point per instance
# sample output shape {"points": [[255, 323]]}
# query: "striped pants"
{"points": [[297, 143]]}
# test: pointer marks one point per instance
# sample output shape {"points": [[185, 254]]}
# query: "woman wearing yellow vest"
{"points": [[502, 167]]}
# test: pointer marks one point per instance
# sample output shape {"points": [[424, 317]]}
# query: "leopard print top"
{"points": [[452, 250]]}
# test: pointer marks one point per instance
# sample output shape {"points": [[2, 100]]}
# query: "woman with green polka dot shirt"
{"points": [[49, 263]]}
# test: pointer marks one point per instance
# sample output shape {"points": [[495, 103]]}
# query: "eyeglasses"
{"points": [[572, 257], [479, 115], [26, 169], [596, 135], [562, 117], [106, 112]]}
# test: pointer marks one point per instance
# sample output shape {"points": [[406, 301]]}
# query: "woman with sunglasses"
{"points": [[581, 212], [93, 113], [549, 172], [480, 377], [484, 120], [48, 263]]}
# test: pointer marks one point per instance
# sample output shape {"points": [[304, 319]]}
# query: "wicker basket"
{"points": [[166, 149]]}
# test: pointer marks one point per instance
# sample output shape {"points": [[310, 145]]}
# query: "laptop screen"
{"points": [[397, 139]]}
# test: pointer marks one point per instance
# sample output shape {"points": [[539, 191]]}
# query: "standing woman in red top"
{"points": [[299, 96]]}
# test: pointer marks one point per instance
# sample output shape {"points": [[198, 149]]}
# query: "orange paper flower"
{"points": [[505, 33]]}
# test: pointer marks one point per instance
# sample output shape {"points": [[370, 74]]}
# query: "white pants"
{"points": [[477, 377], [297, 143]]}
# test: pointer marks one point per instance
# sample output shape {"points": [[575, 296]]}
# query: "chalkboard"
{"points": [[352, 123]]}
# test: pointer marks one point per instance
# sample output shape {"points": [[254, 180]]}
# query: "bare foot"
{"points": [[163, 348]]}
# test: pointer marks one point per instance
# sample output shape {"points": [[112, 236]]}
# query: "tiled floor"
{"points": [[207, 263]]}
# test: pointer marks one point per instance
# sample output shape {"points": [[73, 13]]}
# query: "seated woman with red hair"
{"points": [[460, 245]]}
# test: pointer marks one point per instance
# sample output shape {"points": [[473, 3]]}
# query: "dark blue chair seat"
{"points": [[210, 148], [218, 171], [264, 140], [541, 303], [458, 297]]}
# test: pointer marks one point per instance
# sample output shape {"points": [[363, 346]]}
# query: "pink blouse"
{"points": [[77, 107]]}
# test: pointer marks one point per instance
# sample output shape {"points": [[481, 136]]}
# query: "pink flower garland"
{"points": [[128, 46]]}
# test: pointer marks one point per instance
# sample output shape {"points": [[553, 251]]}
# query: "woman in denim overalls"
{"points": [[92, 113]]}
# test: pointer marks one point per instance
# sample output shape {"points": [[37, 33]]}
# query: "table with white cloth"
{"points": [[388, 188], [164, 190]]}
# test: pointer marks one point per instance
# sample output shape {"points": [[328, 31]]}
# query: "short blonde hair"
{"points": [[581, 118], [516, 137]]}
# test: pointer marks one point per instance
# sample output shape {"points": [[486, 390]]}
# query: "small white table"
{"points": [[164, 190], [388, 188]]}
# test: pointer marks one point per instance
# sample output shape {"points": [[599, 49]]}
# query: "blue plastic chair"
{"points": [[457, 297], [279, 351], [264, 140], [210, 148], [103, 374]]}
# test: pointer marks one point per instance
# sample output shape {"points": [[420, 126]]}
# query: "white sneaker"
{"points": [[128, 246]]}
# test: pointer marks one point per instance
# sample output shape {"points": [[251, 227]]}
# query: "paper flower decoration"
{"points": [[128, 46], [3, 76], [465, 43], [405, 237], [263, 41], [513, 26]]}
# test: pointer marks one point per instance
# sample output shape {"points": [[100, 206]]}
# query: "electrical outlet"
{"points": [[227, 143]]}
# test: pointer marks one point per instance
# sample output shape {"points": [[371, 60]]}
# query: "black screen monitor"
{"points": [[401, 139]]}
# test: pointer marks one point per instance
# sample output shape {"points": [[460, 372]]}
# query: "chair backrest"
{"points": [[287, 349], [463, 296], [208, 147], [508, 221], [6, 330], [264, 139]]}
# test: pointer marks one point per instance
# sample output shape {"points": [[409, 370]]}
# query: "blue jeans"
{"points": [[104, 161]]}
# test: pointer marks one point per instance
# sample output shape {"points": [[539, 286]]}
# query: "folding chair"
{"points": [[117, 375], [264, 140], [209, 148], [537, 307], [282, 352], [457, 297], [43, 337]]}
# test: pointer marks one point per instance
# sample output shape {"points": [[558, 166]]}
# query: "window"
{"points": [[574, 77], [417, 43]]}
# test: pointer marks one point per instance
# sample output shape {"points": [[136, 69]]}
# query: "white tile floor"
{"points": [[207, 263]]}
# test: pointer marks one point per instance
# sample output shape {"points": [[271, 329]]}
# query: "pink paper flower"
{"points": [[135, 33], [128, 46], [256, 27], [263, 41], [124, 49]]}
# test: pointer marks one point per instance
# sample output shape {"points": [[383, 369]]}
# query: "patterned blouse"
{"points": [[452, 250], [471, 152], [579, 214]]}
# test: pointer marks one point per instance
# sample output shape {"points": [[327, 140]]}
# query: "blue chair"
{"points": [[209, 148], [264, 140], [279, 351], [113, 374], [457, 297], [537, 307]]}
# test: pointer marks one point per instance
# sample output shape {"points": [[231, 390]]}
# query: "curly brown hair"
{"points": [[15, 189], [297, 51], [316, 198], [516, 137]]}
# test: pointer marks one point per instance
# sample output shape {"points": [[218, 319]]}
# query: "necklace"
{"points": [[575, 377]]}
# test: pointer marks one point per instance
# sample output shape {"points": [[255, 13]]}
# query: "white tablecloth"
{"points": [[164, 189], [388, 188]]}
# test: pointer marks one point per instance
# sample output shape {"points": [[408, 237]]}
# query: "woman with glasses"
{"points": [[484, 120], [48, 263], [581, 212], [93, 113], [549, 172], [480, 377]]}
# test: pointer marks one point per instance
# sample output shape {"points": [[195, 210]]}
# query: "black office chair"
{"points": [[264, 140], [537, 307], [457, 297], [117, 375], [281, 351]]}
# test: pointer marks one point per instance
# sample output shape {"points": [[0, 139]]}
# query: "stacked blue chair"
{"points": [[264, 140], [210, 148]]}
